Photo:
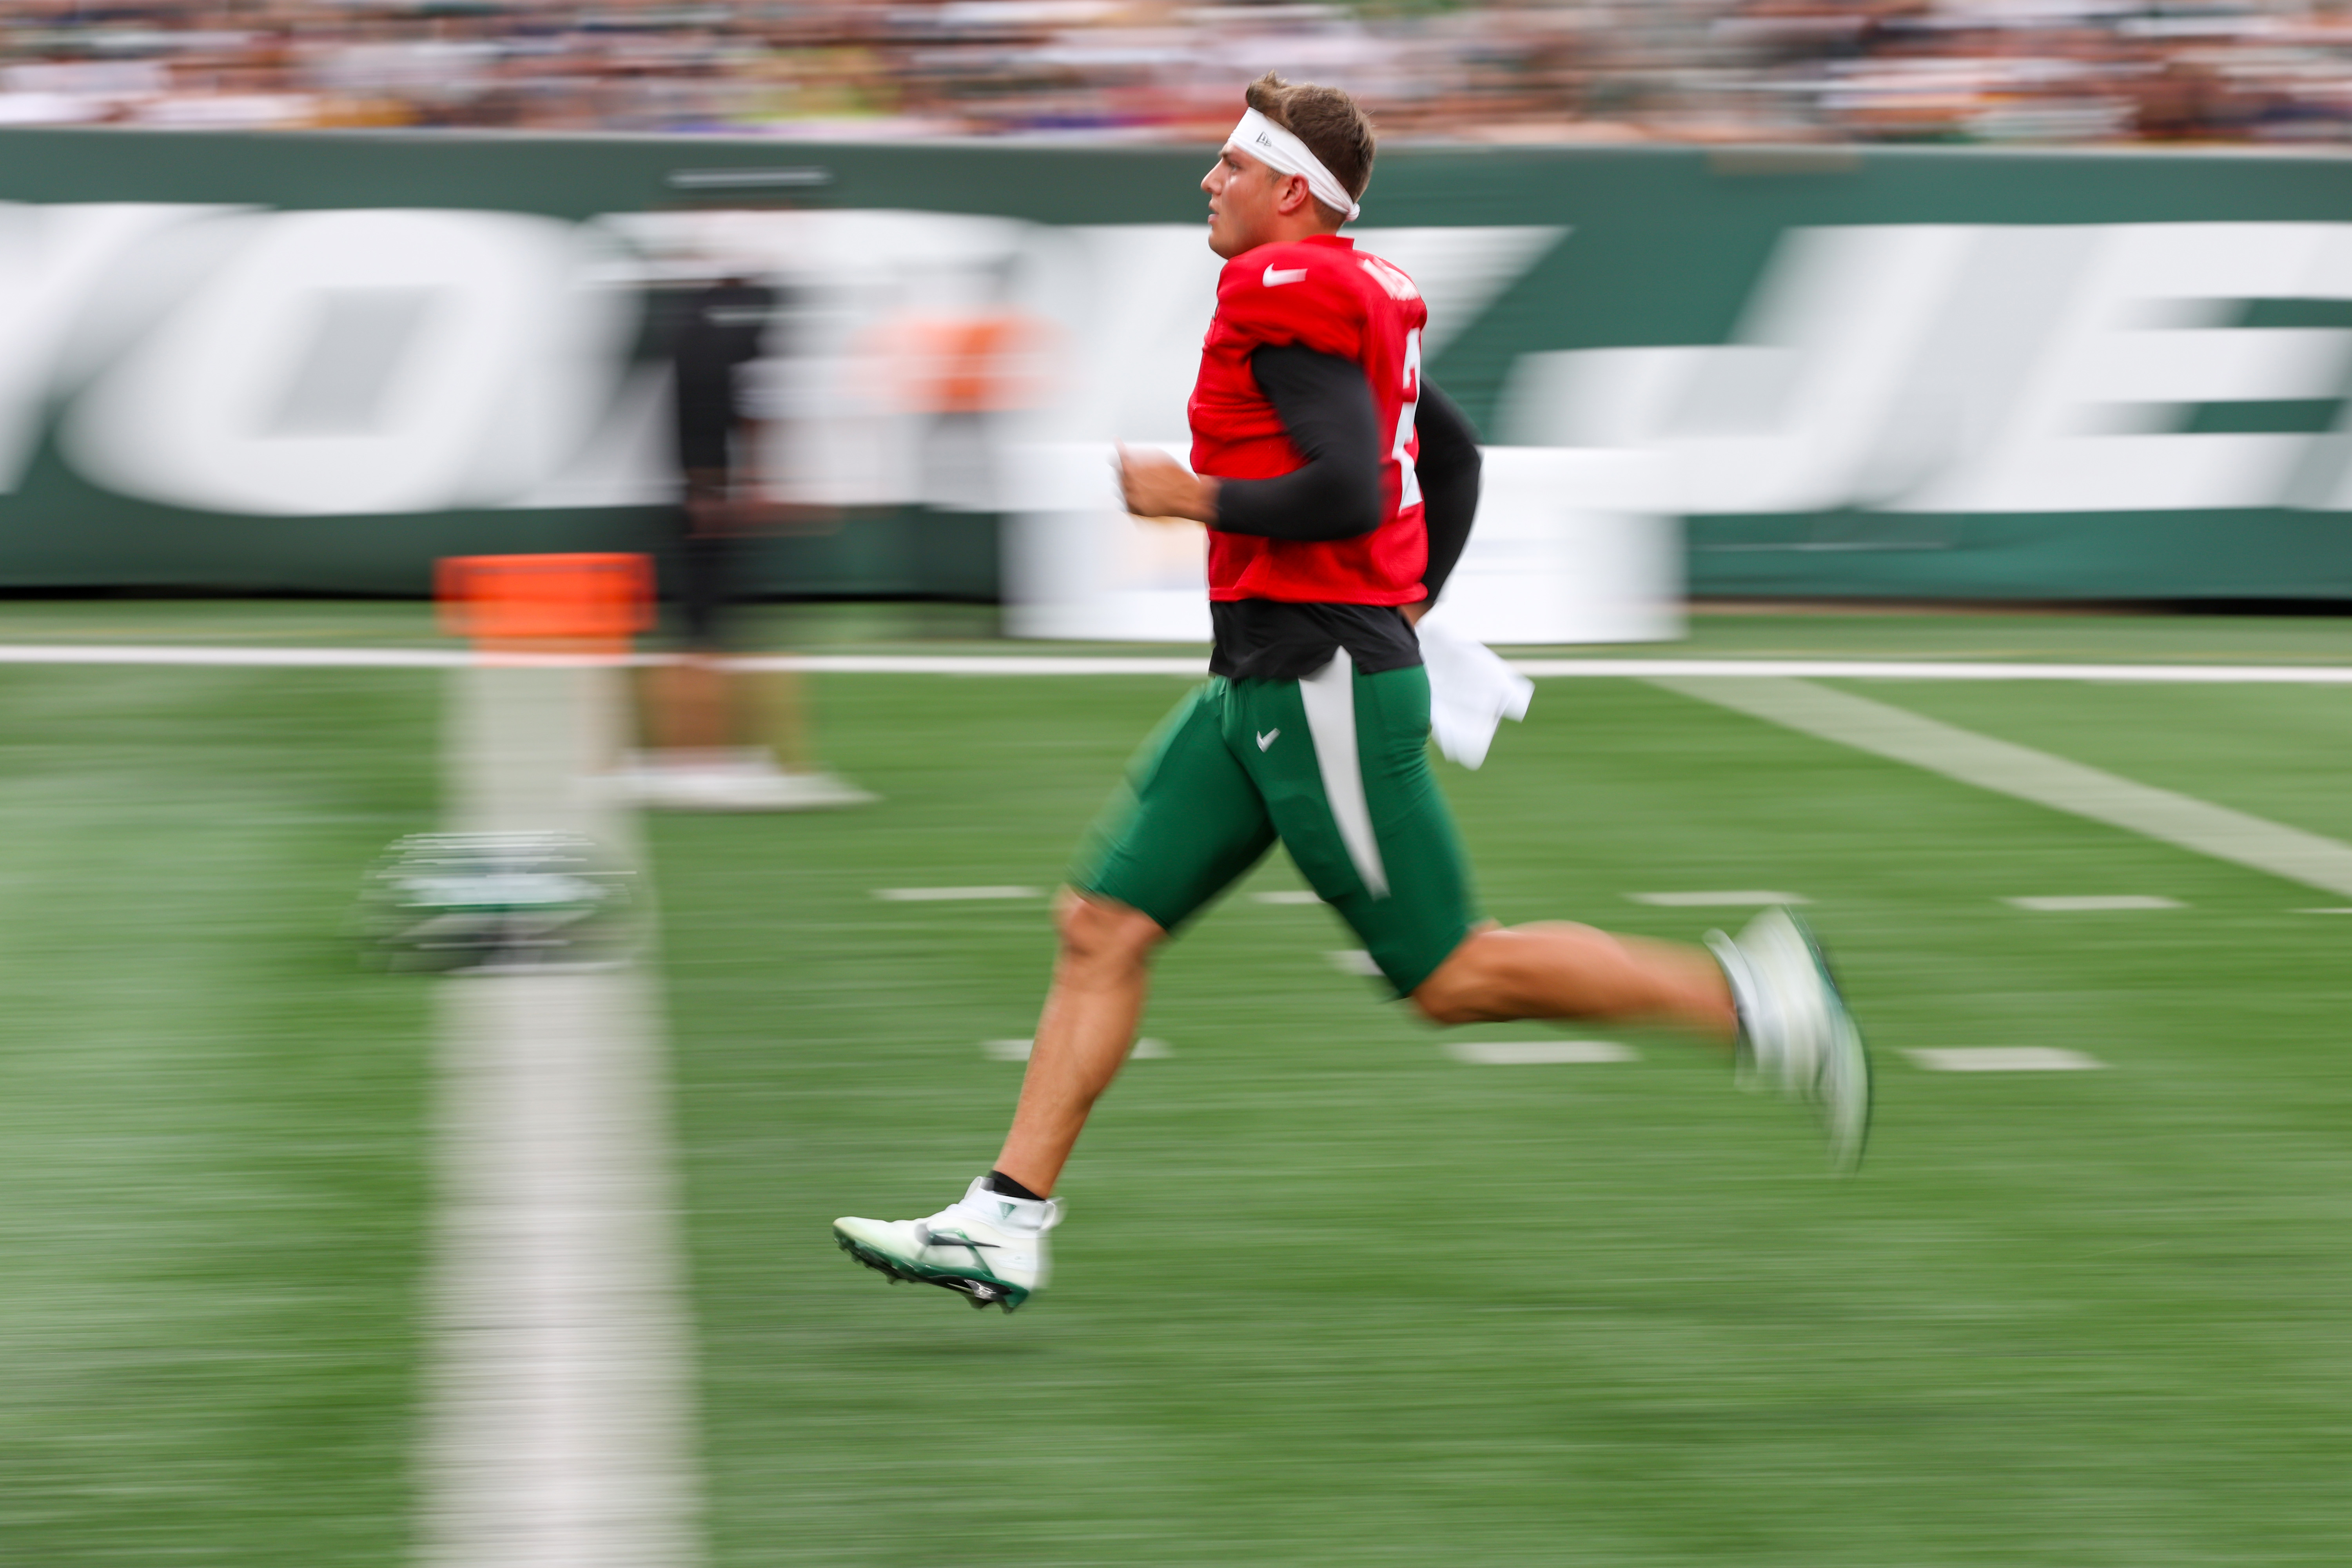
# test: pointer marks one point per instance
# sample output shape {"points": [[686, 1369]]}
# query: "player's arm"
{"points": [[1326, 407], [1448, 468]]}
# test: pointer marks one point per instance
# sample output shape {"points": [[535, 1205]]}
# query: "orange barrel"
{"points": [[546, 603]]}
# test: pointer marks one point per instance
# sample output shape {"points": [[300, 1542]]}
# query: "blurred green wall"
{"points": [[1666, 247]]}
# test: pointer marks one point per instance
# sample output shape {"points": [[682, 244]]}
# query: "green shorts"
{"points": [[1337, 767]]}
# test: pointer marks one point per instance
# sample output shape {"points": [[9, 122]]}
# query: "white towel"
{"points": [[1471, 692]]}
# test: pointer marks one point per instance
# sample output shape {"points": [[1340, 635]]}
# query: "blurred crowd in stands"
{"points": [[1171, 70]]}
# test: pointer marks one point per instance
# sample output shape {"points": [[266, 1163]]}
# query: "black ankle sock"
{"points": [[998, 1181]]}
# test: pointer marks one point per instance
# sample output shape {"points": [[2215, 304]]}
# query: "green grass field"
{"points": [[1327, 1294]]}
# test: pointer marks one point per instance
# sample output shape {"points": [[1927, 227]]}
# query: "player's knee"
{"points": [[1448, 1002], [1460, 990], [1442, 998], [1098, 932], [1437, 1004]]}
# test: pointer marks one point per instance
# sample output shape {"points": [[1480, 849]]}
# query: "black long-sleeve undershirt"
{"points": [[1450, 470], [1326, 410], [1326, 407]]}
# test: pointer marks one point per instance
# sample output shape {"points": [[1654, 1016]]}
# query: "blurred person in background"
{"points": [[703, 717], [961, 367], [1349, 485]]}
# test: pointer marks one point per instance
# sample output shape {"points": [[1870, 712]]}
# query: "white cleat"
{"points": [[986, 1246], [1795, 1033]]}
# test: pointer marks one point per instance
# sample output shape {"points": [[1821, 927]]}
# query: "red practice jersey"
{"points": [[1321, 294]]}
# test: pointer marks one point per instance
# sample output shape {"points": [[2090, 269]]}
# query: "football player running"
{"points": [[1337, 487]]}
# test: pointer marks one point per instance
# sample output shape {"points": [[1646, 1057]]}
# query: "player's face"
{"points": [[1244, 195]]}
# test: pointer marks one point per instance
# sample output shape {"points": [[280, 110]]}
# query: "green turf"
{"points": [[209, 1242], [1329, 1297], [2277, 752]]}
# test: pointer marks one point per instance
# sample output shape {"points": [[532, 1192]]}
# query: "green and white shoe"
{"points": [[986, 1246], [1795, 1032]]}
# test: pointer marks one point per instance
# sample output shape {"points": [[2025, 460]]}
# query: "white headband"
{"points": [[1285, 154]]}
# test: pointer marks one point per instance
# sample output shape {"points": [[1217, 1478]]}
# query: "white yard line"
{"points": [[954, 895], [2005, 1058], [559, 1426], [1190, 665], [1539, 1053], [2021, 772], [1754, 898], [1146, 1049]]}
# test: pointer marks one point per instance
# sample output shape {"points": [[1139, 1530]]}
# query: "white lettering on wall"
{"points": [[390, 361], [1994, 369], [53, 261], [2141, 336], [360, 363]]}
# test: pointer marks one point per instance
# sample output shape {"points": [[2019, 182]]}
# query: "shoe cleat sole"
{"points": [[982, 1293]]}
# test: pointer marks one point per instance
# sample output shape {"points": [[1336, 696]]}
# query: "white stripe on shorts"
{"points": [[1329, 697]]}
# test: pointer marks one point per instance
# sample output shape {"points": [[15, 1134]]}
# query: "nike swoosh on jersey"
{"points": [[1267, 738], [1274, 275]]}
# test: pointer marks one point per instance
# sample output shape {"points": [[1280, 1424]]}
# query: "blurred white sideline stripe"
{"points": [[2021, 772], [559, 1424], [1190, 665], [1617, 668]]}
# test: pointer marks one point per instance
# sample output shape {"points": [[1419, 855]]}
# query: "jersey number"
{"points": [[1409, 485]]}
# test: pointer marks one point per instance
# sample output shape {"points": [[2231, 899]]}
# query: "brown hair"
{"points": [[1334, 128]]}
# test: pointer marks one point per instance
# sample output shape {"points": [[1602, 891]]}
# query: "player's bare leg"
{"points": [[783, 719], [1558, 970], [990, 1246], [693, 704], [1102, 978], [1769, 995]]}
